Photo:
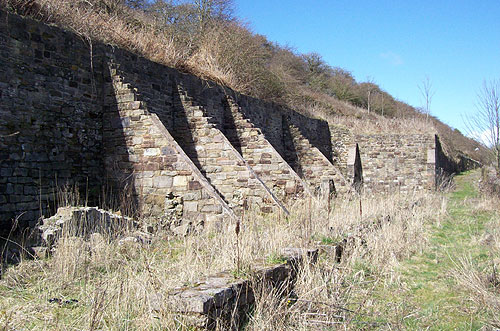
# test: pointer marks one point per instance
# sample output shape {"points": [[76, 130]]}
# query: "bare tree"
{"points": [[427, 94], [213, 9], [371, 89], [485, 124]]}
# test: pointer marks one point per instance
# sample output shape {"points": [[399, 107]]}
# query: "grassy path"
{"points": [[428, 296]]}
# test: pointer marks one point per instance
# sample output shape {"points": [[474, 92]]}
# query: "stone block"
{"points": [[151, 152], [193, 195], [30, 190], [180, 180], [18, 189], [190, 206], [163, 181], [6, 172], [168, 151], [194, 185], [137, 140], [217, 209]]}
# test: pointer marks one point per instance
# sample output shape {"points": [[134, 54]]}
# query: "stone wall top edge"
{"points": [[395, 135]]}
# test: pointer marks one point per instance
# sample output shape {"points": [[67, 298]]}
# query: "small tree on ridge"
{"points": [[485, 124]]}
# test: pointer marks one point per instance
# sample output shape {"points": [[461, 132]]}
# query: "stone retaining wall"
{"points": [[50, 119], [172, 143], [397, 162], [141, 153]]}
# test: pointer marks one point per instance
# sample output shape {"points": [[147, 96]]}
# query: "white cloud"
{"points": [[393, 58]]}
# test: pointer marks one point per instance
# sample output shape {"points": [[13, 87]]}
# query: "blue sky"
{"points": [[394, 43]]}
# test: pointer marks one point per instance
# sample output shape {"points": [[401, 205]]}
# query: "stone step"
{"points": [[220, 300], [167, 182], [224, 167], [269, 165]]}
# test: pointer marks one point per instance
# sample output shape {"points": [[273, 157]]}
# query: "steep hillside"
{"points": [[204, 38]]}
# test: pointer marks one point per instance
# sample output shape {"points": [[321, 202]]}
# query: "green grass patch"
{"points": [[275, 259], [428, 294]]}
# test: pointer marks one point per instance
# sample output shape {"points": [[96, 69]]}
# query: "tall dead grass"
{"points": [[377, 124], [482, 280], [120, 284]]}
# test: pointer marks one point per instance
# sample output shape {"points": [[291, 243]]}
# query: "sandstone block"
{"points": [[190, 206], [180, 180], [163, 181], [151, 152], [194, 185], [211, 209], [192, 195], [137, 140]]}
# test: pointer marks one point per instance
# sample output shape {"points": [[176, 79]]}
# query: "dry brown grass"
{"points": [[114, 283], [125, 28], [376, 124], [482, 284]]}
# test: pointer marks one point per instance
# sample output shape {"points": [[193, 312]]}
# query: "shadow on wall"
{"points": [[229, 127], [321, 139], [119, 191], [446, 166], [50, 121], [290, 154], [358, 171], [181, 128]]}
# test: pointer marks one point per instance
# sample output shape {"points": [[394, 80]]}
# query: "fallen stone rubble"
{"points": [[223, 302], [85, 222]]}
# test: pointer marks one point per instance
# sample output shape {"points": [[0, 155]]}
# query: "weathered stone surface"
{"points": [[294, 254], [222, 301], [87, 222]]}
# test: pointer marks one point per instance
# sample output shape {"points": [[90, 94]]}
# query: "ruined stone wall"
{"points": [[141, 153], [396, 162], [159, 87], [267, 163], [172, 143], [50, 117], [217, 159], [343, 142], [304, 144]]}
